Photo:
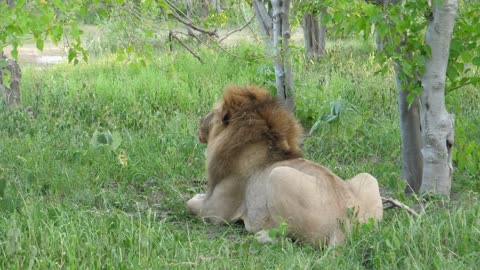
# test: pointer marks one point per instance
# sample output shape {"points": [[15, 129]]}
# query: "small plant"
{"points": [[106, 138], [279, 231], [337, 109]]}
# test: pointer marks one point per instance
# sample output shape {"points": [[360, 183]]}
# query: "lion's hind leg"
{"points": [[367, 200], [308, 204]]}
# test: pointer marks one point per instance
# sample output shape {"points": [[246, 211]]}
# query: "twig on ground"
{"points": [[399, 204]]}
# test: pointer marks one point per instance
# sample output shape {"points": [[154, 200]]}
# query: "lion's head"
{"points": [[250, 115]]}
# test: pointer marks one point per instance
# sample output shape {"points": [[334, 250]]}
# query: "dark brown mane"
{"points": [[250, 115]]}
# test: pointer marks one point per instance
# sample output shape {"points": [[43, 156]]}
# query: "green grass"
{"points": [[68, 204]]}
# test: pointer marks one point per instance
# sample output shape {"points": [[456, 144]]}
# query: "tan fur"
{"points": [[256, 173]]}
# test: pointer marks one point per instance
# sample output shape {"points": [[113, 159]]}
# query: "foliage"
{"points": [[402, 24], [464, 63], [131, 29], [42, 20]]}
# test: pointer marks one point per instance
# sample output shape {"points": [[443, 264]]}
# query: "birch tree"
{"points": [[437, 123], [418, 37], [282, 63], [272, 16]]}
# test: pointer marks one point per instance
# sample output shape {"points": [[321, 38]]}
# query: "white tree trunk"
{"points": [[437, 123], [266, 25], [283, 65]]}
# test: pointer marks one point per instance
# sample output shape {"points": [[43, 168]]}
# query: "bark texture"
{"points": [[412, 163], [437, 123], [265, 21], [283, 65], [209, 5], [11, 93], [380, 42], [314, 33]]}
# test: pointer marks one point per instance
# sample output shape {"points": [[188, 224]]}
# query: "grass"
{"points": [[67, 203]]}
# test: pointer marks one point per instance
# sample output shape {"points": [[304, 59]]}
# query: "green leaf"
{"points": [[326, 19], [116, 140], [72, 54], [102, 12], [148, 33], [57, 33], [94, 140], [163, 4], [75, 31], [419, 60], [40, 44], [83, 11], [15, 51], [129, 49], [120, 57], [3, 63], [476, 61], [20, 4], [410, 98], [59, 4]]}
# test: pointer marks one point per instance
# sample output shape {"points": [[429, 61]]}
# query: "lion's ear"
{"points": [[225, 116]]}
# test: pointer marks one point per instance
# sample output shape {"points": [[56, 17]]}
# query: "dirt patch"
{"points": [[29, 54]]}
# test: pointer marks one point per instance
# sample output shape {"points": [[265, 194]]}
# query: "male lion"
{"points": [[256, 174]]}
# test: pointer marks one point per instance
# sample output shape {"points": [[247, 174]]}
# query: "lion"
{"points": [[256, 174]]}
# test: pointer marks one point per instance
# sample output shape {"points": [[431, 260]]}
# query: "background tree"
{"points": [[402, 24], [263, 13], [10, 78], [407, 83], [437, 123], [282, 64], [314, 29]]}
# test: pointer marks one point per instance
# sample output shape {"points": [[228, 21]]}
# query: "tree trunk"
{"points": [[265, 21], [437, 123], [205, 9], [412, 165], [11, 92], [188, 4], [282, 65], [314, 34], [216, 5], [380, 42]]}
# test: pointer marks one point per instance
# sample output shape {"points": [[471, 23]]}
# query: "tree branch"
{"points": [[264, 18], [193, 26], [457, 87], [401, 205], [236, 30], [174, 36]]}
